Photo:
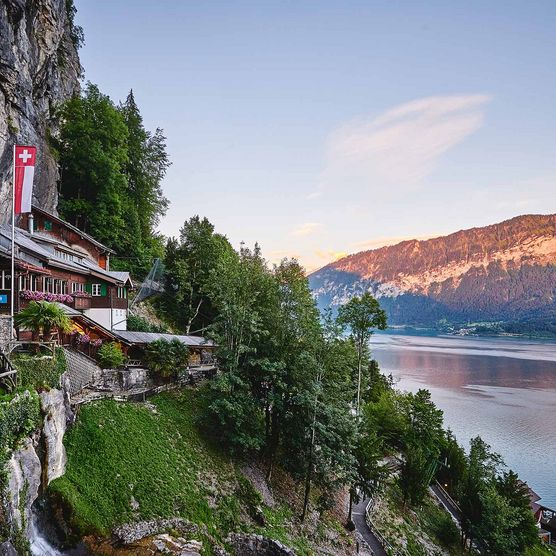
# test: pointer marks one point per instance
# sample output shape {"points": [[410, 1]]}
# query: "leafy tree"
{"points": [[386, 417], [145, 168], [362, 315], [194, 265], [368, 472], [504, 530], [414, 476], [424, 423], [482, 467], [111, 170], [43, 316], [93, 154], [453, 463]]}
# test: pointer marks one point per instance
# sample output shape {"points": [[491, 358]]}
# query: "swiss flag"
{"points": [[24, 172]]}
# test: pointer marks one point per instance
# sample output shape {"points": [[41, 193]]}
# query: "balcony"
{"points": [[78, 300]]}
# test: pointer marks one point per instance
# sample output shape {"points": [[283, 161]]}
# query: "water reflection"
{"points": [[503, 390]]}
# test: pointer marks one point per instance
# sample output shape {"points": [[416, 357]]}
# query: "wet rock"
{"points": [[166, 544], [24, 479], [54, 410], [132, 532], [7, 549]]}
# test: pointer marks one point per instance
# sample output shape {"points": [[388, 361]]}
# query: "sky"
{"points": [[320, 128]]}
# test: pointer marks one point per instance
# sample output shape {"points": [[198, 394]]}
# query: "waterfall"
{"points": [[39, 544]]}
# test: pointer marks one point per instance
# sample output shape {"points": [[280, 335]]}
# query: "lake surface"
{"points": [[503, 390]]}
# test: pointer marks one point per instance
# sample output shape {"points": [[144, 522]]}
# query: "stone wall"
{"points": [[5, 331]]}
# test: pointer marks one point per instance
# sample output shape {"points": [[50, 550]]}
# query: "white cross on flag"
{"points": [[24, 172]]}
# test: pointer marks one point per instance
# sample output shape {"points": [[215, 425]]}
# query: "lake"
{"points": [[501, 389]]}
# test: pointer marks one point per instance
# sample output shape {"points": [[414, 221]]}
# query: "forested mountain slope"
{"points": [[502, 272]]}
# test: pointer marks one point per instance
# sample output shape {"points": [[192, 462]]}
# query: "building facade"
{"points": [[56, 261]]}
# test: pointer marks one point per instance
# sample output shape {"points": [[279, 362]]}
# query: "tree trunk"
{"points": [[309, 475], [274, 438], [350, 509]]}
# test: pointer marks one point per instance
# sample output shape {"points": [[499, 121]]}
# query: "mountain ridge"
{"points": [[501, 272]]}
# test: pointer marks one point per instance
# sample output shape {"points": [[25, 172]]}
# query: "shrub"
{"points": [[110, 356], [166, 357], [35, 371], [141, 324]]}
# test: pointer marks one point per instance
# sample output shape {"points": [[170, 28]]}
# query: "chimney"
{"points": [[30, 223]]}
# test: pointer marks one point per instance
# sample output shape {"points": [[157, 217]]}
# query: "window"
{"points": [[48, 225], [77, 287], [96, 290], [122, 293], [48, 286], [34, 282], [5, 280]]}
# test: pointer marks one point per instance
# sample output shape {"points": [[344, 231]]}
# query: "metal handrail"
{"points": [[445, 493], [380, 537]]}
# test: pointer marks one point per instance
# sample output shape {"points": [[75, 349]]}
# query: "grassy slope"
{"points": [[156, 455]]}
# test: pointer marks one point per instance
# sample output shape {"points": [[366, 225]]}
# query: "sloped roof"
{"points": [[78, 315], [74, 229], [121, 276], [25, 241], [148, 337]]}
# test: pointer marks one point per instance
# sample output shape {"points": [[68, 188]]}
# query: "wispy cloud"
{"points": [[313, 195], [403, 145], [330, 255], [306, 229]]}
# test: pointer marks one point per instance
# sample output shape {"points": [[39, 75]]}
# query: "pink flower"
{"points": [[81, 294], [29, 295]]}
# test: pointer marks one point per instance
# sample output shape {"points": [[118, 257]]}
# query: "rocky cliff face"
{"points": [[39, 69], [506, 271]]}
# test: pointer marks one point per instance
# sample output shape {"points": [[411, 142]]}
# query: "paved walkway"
{"points": [[446, 502], [358, 516]]}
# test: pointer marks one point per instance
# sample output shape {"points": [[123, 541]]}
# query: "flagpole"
{"points": [[13, 251]]}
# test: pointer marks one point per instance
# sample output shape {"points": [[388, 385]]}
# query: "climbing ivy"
{"points": [[19, 416]]}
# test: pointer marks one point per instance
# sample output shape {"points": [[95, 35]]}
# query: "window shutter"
{"points": [[89, 288], [103, 289]]}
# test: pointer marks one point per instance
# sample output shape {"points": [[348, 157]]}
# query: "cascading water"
{"points": [[40, 546]]}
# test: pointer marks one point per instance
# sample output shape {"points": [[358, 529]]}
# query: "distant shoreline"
{"points": [[461, 333]]}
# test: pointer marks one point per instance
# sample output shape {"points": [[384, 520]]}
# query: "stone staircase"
{"points": [[82, 370]]}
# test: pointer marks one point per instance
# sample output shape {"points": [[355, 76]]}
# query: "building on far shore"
{"points": [[55, 261]]}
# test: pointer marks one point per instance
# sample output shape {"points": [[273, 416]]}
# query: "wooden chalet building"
{"points": [[56, 261]]}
